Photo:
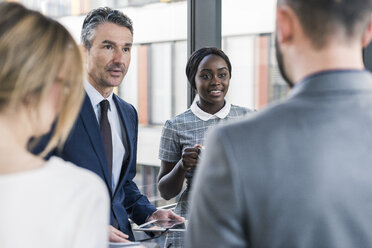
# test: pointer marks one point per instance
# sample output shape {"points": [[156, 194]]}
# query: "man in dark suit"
{"points": [[297, 174], [104, 138]]}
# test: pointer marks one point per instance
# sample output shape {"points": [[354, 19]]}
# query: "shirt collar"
{"points": [[206, 116], [96, 97], [331, 71], [333, 80]]}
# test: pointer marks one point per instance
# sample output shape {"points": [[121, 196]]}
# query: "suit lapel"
{"points": [[129, 132], [92, 128]]}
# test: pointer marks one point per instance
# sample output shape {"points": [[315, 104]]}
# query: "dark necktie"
{"points": [[106, 133]]}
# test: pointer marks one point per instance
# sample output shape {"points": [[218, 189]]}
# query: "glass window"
{"points": [[179, 81], [160, 82], [240, 51], [129, 87], [278, 87], [58, 8]]}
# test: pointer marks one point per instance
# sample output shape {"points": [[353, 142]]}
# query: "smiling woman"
{"points": [[208, 71], [212, 81]]}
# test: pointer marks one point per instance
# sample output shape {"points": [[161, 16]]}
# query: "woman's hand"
{"points": [[190, 157], [172, 174]]}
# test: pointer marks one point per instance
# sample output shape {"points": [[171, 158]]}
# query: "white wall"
{"points": [[240, 51], [165, 22], [248, 17]]}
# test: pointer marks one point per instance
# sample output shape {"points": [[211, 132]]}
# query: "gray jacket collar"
{"points": [[334, 81]]}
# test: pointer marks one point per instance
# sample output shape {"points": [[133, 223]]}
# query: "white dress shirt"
{"points": [[116, 125]]}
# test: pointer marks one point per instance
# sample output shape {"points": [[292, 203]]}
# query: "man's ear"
{"points": [[367, 37], [284, 24]]}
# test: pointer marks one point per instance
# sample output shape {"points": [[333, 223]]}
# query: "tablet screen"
{"points": [[162, 225]]}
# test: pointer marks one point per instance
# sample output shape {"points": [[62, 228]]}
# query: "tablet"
{"points": [[163, 225], [120, 245]]}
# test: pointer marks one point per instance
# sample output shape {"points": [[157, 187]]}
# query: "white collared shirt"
{"points": [[207, 116], [116, 125]]}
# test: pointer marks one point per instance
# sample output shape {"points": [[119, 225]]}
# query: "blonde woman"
{"points": [[43, 203]]}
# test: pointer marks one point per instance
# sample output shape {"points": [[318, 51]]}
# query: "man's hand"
{"points": [[165, 214], [117, 236]]}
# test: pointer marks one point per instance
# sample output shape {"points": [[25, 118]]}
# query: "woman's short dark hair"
{"points": [[197, 56]]}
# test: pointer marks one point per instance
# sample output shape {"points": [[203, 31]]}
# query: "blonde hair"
{"points": [[33, 49]]}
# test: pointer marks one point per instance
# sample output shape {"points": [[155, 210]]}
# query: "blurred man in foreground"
{"points": [[297, 174]]}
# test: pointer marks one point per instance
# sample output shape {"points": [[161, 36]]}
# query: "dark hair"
{"points": [[322, 18], [197, 56], [99, 16]]}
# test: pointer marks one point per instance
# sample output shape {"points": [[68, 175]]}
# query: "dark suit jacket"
{"points": [[85, 148]]}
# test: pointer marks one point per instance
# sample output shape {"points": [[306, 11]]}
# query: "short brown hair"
{"points": [[322, 18]]}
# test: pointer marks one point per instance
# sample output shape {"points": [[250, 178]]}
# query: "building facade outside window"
{"points": [[156, 83]]}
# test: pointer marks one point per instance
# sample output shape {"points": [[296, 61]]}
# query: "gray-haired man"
{"points": [[104, 138]]}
